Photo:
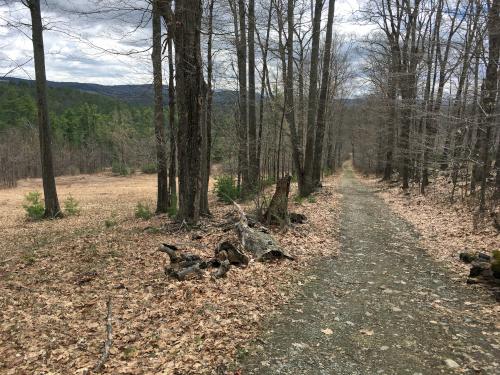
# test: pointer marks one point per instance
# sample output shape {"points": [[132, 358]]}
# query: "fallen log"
{"points": [[261, 245], [235, 256]]}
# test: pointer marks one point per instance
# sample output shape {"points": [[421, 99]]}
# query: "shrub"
{"points": [[298, 199], [142, 211], [71, 206], [268, 181], [311, 199], [149, 168], [28, 257], [111, 222], [172, 210], [226, 189], [120, 169], [34, 206]]}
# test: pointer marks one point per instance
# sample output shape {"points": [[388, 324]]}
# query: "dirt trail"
{"points": [[391, 309]]}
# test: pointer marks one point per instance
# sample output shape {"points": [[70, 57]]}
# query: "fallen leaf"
{"points": [[367, 332], [327, 331]]}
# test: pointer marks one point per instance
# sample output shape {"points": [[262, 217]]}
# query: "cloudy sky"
{"points": [[93, 41]]}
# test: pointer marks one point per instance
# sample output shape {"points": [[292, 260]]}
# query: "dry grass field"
{"points": [[56, 276]]}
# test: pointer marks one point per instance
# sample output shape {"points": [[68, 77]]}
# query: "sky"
{"points": [[85, 44]]}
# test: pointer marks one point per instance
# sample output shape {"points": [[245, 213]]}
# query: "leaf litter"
{"points": [[56, 276]]}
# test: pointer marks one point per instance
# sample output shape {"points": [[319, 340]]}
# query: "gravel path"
{"points": [[382, 307]]}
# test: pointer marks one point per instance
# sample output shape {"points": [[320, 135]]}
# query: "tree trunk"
{"points": [[189, 78], [207, 128], [490, 88], [497, 179], [205, 149], [161, 144], [52, 208], [168, 17], [289, 97], [252, 119], [264, 49], [172, 171], [308, 187], [243, 97], [325, 82], [393, 111]]}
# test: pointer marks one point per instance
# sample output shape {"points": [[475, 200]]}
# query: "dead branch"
{"points": [[176, 256], [184, 273], [109, 339], [223, 269]]}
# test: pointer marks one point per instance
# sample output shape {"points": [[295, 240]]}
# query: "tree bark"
{"points": [[308, 187], [208, 115], [264, 49], [162, 201], [490, 92], [289, 107], [252, 118], [172, 170], [164, 6], [52, 208], [189, 79], [243, 96], [325, 82]]}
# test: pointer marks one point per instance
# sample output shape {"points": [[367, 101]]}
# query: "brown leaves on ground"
{"points": [[55, 278]]}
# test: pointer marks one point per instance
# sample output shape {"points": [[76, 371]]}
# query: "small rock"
{"points": [[384, 348], [451, 363]]}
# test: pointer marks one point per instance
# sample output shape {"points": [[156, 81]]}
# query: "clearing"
{"points": [[56, 276]]}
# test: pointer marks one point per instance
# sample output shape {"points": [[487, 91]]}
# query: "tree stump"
{"points": [[277, 212]]}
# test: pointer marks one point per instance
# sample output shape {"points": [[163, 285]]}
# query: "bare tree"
{"points": [[52, 208], [325, 84], [162, 202], [186, 24]]}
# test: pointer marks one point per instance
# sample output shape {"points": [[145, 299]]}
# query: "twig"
{"points": [[109, 339]]}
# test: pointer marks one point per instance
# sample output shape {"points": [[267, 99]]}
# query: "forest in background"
{"points": [[424, 79]]}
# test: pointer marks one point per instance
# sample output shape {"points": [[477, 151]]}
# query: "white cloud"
{"points": [[78, 46]]}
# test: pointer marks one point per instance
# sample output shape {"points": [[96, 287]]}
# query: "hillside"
{"points": [[133, 94]]}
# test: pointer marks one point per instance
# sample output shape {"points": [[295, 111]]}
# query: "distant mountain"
{"points": [[133, 94]]}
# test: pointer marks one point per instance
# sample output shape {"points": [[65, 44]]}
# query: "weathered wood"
{"points": [[262, 245], [184, 273], [469, 257], [223, 269], [277, 212], [176, 256], [234, 256], [297, 218], [109, 338]]}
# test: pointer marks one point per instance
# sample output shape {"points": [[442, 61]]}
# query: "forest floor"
{"points": [[383, 306], [446, 229], [56, 276]]}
